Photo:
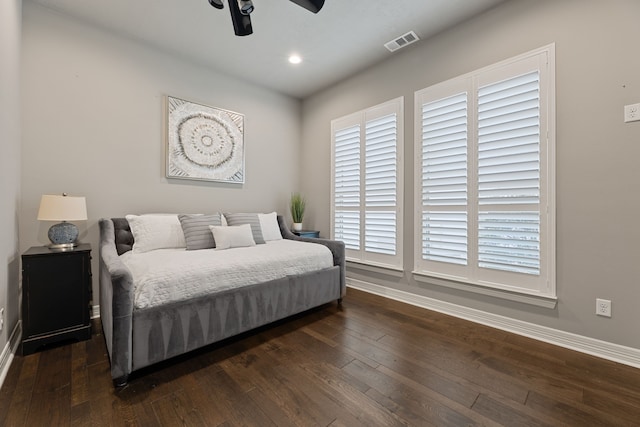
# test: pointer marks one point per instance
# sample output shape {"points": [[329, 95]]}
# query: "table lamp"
{"points": [[63, 208]]}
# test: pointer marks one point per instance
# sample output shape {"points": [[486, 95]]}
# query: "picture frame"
{"points": [[203, 143]]}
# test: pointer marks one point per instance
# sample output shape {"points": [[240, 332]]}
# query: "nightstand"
{"points": [[307, 233], [56, 296]]}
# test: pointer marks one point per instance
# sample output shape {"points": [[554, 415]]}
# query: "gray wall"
{"points": [[93, 126], [10, 25], [598, 201]]}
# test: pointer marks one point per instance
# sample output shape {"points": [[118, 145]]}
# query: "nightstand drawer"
{"points": [[307, 233]]}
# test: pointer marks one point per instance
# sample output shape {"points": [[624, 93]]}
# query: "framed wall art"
{"points": [[204, 143]]}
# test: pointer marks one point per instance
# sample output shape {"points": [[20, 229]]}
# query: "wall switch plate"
{"points": [[631, 113], [603, 307]]}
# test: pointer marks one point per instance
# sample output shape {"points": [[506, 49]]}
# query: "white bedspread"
{"points": [[166, 275]]}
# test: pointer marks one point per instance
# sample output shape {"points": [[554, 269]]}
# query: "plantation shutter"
{"points": [[485, 177], [509, 175], [347, 186], [381, 184], [444, 180], [367, 184]]}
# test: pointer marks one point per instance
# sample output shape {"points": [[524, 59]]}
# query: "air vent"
{"points": [[402, 41]]}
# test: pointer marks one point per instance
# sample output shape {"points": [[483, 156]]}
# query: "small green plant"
{"points": [[298, 205]]}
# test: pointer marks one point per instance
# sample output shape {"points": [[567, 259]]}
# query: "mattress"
{"points": [[168, 275]]}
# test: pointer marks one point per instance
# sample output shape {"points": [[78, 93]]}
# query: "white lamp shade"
{"points": [[62, 208]]}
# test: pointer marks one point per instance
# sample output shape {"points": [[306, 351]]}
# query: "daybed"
{"points": [[139, 334]]}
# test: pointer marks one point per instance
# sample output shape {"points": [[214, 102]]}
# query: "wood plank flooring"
{"points": [[371, 362]]}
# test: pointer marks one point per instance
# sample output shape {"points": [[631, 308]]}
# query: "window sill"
{"points": [[376, 268], [537, 300]]}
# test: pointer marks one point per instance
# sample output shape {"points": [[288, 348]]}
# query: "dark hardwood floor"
{"points": [[372, 362]]}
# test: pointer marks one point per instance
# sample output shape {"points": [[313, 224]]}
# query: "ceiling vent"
{"points": [[402, 41]]}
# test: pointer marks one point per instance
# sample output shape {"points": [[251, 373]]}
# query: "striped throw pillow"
{"points": [[196, 230], [247, 218]]}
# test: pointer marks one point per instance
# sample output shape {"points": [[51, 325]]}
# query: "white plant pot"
{"points": [[297, 226]]}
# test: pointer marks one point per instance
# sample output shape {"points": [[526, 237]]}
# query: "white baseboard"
{"points": [[6, 357], [95, 311], [603, 349]]}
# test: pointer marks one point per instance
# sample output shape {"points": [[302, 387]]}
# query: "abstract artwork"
{"points": [[204, 143]]}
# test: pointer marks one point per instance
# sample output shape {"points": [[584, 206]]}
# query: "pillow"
{"points": [[196, 230], [155, 231], [237, 236], [247, 218], [270, 227]]}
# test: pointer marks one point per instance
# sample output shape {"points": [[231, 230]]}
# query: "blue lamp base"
{"points": [[63, 235]]}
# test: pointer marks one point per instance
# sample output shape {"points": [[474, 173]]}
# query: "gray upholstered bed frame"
{"points": [[137, 338]]}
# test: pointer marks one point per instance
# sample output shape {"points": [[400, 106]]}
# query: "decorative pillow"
{"points": [[247, 218], [196, 230], [237, 236], [270, 227], [155, 231]]}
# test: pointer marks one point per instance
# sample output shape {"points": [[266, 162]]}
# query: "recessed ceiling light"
{"points": [[295, 59]]}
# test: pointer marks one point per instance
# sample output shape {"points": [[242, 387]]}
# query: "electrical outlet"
{"points": [[1, 318], [603, 307], [631, 113]]}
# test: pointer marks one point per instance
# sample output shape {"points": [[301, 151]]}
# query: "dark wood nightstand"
{"points": [[307, 233], [56, 296]]}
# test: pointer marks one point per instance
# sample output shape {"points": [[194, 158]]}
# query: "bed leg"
{"points": [[339, 301], [120, 382]]}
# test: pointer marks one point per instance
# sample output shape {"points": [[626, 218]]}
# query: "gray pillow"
{"points": [[247, 218], [196, 230]]}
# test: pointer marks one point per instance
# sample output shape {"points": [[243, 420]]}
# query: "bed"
{"points": [[166, 302]]}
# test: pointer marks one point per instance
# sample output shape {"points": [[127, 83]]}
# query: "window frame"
{"points": [[360, 118], [544, 285]]}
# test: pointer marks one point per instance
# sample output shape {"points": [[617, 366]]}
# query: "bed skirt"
{"points": [[160, 333]]}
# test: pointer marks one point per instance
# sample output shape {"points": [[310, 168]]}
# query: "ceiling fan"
{"points": [[241, 9]]}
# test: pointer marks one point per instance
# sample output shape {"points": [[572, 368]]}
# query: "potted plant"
{"points": [[298, 204]]}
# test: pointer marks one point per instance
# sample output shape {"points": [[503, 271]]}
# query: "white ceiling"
{"points": [[344, 37]]}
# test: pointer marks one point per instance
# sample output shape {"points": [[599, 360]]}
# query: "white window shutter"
{"points": [[509, 174], [485, 177], [444, 179], [347, 167], [347, 186], [367, 184], [509, 141], [381, 184]]}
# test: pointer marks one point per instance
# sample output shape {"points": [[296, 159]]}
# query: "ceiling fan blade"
{"points": [[216, 3], [312, 5], [241, 23]]}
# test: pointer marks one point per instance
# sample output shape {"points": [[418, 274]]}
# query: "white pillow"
{"points": [[155, 231], [270, 227], [236, 236]]}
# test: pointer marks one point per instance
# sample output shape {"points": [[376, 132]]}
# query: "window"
{"points": [[485, 177], [367, 184]]}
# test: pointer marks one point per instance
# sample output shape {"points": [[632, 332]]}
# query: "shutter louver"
{"points": [[347, 167], [509, 141], [444, 237], [444, 151], [380, 232], [347, 228], [444, 180], [509, 241], [380, 161], [509, 174]]}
